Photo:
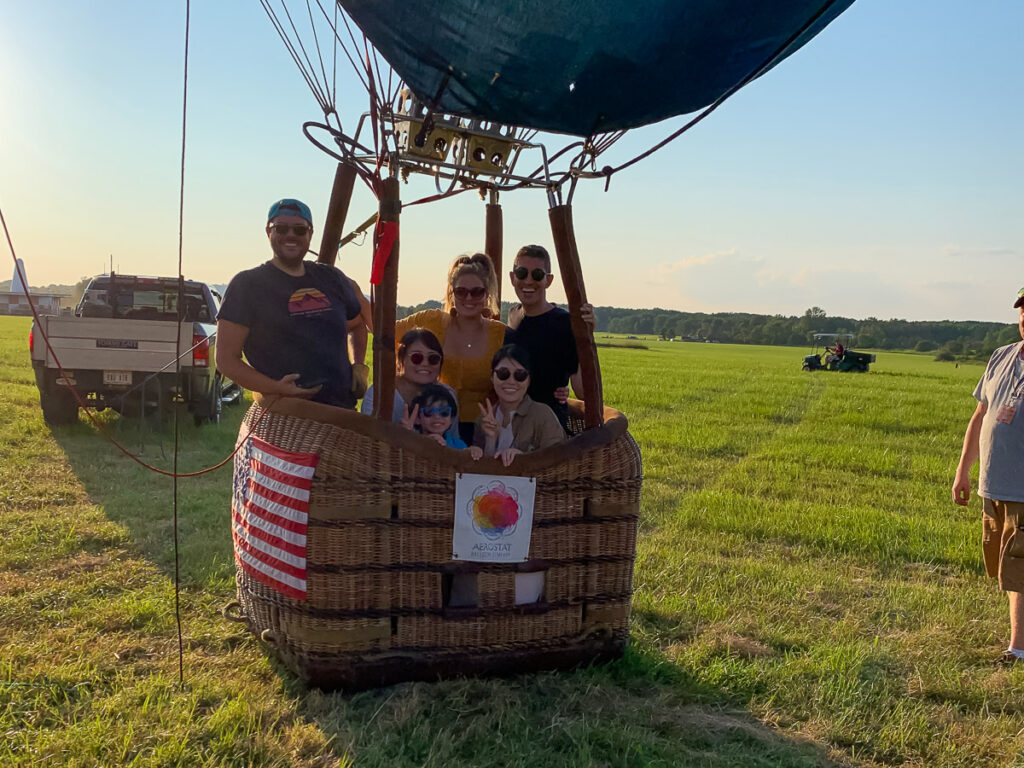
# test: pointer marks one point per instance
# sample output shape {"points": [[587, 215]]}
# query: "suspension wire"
{"points": [[381, 98], [177, 346], [440, 196], [289, 46], [386, 91], [604, 141], [341, 43], [392, 87], [325, 102], [319, 53], [310, 79], [334, 64], [759, 70], [351, 36]]}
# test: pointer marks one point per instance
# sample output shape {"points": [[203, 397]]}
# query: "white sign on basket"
{"points": [[493, 518]]}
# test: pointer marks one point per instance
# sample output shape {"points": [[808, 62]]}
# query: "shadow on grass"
{"points": [[643, 710], [638, 711], [142, 501]]}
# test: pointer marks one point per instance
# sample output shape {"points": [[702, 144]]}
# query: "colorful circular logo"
{"points": [[494, 510]]}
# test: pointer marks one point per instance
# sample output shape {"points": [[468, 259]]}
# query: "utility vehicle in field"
{"points": [[118, 350], [837, 354]]}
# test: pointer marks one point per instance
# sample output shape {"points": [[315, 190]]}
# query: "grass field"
{"points": [[806, 594]]}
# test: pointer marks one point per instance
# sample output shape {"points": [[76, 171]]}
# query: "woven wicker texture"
{"points": [[380, 574]]}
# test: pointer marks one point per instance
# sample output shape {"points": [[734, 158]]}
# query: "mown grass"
{"points": [[806, 594]]}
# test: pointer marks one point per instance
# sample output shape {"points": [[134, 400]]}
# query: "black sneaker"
{"points": [[1007, 658]]}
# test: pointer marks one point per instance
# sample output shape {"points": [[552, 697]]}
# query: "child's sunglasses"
{"points": [[417, 357], [538, 274], [430, 411], [521, 374]]}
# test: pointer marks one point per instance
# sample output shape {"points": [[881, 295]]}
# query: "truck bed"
{"points": [[112, 344]]}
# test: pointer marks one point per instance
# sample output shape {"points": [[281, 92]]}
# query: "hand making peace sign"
{"points": [[409, 419], [488, 419]]}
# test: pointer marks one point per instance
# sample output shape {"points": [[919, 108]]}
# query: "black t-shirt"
{"points": [[549, 341], [296, 325]]}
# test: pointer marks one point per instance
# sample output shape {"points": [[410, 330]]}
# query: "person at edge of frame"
{"points": [[545, 331], [995, 435], [294, 319]]}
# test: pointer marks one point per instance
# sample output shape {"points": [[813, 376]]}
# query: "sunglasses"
{"points": [[417, 357], [430, 411], [520, 374], [298, 229], [474, 293], [537, 274]]}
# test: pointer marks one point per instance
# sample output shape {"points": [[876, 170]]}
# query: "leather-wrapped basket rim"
{"points": [[615, 425]]}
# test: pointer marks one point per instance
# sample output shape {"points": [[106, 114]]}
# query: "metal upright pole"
{"points": [[572, 278], [337, 210], [493, 238], [385, 303]]}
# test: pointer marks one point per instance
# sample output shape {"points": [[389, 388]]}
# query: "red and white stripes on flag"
{"points": [[269, 514]]}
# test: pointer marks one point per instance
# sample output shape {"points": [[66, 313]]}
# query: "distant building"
{"points": [[14, 301]]}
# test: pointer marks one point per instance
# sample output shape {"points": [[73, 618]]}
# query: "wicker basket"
{"points": [[379, 565]]}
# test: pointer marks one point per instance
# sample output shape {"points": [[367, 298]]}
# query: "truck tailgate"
{"points": [[87, 343]]}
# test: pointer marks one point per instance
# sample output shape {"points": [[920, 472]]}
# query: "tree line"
{"points": [[957, 339], [950, 339]]}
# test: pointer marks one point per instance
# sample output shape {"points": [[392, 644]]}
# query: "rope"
{"points": [[78, 398]]}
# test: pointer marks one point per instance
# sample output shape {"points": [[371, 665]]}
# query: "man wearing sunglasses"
{"points": [[545, 331], [292, 318]]}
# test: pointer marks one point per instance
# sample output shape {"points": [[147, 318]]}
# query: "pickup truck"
{"points": [[118, 350]]}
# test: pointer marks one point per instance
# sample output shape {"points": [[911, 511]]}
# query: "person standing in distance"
{"points": [[292, 318], [545, 331], [995, 435]]}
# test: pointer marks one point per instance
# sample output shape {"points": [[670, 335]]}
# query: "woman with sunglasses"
{"points": [[418, 364], [516, 424], [469, 332]]}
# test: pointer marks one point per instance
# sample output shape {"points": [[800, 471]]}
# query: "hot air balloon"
{"points": [[366, 589]]}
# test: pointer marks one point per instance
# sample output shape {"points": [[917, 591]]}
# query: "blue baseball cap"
{"points": [[290, 207], [1020, 298]]}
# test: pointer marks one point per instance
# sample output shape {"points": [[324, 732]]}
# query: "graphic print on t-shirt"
{"points": [[308, 301]]}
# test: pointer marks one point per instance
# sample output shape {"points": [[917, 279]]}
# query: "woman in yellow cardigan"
{"points": [[469, 332]]}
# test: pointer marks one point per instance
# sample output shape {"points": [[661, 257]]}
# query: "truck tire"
{"points": [[59, 406], [210, 412]]}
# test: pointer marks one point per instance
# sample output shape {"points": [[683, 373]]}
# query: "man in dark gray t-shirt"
{"points": [[995, 435], [291, 318]]}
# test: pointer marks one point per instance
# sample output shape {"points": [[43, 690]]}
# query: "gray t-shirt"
{"points": [[1002, 445]]}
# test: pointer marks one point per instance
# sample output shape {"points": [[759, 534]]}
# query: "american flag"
{"points": [[269, 514]]}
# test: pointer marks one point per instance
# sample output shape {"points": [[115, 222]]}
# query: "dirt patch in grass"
{"points": [[83, 562]]}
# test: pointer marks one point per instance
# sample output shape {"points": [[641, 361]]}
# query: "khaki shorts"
{"points": [[1002, 542]]}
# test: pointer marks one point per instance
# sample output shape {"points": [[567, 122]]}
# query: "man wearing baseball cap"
{"points": [[291, 317], [995, 435]]}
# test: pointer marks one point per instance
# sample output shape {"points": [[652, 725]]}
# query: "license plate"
{"points": [[117, 378]]}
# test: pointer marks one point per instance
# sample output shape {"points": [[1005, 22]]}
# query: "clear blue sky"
{"points": [[876, 172]]}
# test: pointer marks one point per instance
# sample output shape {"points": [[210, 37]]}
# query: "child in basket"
{"points": [[432, 412]]}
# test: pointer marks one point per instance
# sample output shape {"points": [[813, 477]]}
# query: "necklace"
{"points": [[463, 332]]}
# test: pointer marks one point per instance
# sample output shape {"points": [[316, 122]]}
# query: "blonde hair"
{"points": [[479, 265]]}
